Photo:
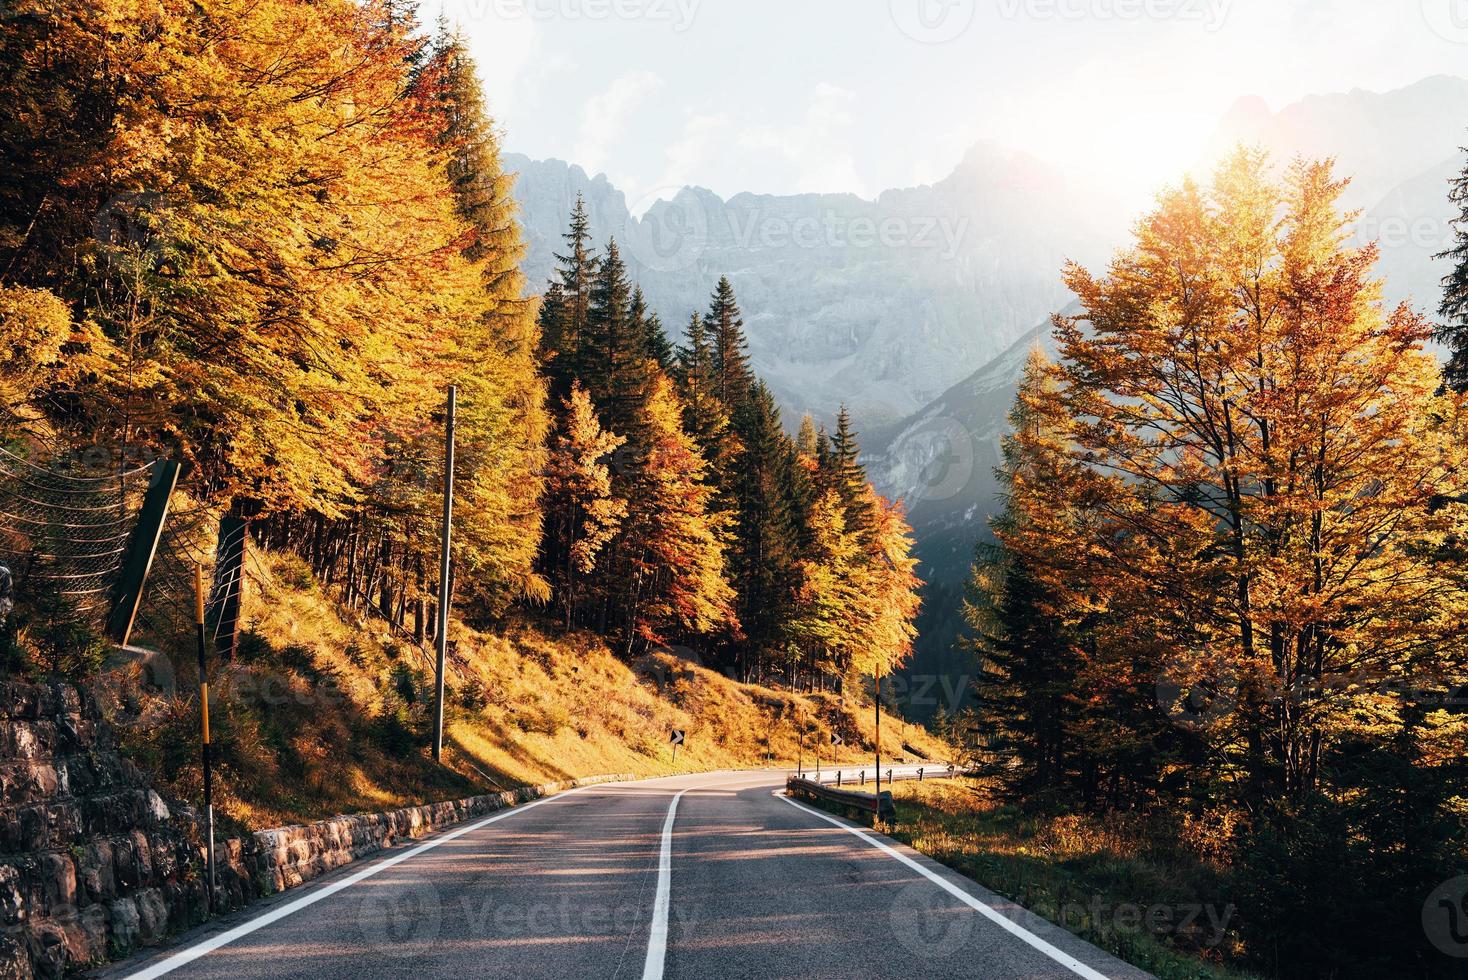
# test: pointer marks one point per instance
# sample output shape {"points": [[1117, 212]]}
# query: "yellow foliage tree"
{"points": [[1241, 462]]}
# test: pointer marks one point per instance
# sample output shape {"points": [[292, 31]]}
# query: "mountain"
{"points": [[880, 305], [1400, 149]]}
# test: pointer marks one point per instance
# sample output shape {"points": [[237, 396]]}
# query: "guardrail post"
{"points": [[838, 777], [920, 773]]}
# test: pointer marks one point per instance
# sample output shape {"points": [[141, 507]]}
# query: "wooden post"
{"points": [[127, 592], [445, 583], [205, 750]]}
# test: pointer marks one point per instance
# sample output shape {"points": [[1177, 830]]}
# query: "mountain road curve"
{"points": [[695, 876]]}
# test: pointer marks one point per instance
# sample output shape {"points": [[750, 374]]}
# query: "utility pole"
{"points": [[204, 724], [444, 570]]}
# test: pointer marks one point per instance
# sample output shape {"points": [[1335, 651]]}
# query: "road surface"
{"points": [[700, 876]]}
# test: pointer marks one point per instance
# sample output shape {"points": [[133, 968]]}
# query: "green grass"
{"points": [[1122, 884]]}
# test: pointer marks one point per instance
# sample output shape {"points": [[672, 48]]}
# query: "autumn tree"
{"points": [[248, 204], [1252, 454], [673, 544], [582, 513], [1029, 661], [502, 418]]}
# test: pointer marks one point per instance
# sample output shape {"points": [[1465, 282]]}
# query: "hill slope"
{"points": [[323, 713]]}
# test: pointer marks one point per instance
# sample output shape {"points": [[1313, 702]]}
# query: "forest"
{"points": [[1228, 592], [264, 238], [1229, 587]]}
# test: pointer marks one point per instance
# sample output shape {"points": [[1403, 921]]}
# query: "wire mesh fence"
{"points": [[64, 532]]}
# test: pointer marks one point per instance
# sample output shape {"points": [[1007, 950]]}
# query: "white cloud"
{"points": [[818, 149], [688, 160], [604, 117], [502, 48]]}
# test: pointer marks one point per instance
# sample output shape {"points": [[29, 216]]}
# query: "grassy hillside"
{"points": [[321, 713]]}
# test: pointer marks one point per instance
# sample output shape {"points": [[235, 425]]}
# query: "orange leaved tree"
{"points": [[1244, 459]]}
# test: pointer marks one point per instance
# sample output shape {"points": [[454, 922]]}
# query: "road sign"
{"points": [[677, 737], [837, 739]]}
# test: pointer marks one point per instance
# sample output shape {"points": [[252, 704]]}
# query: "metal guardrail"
{"points": [[849, 803], [861, 776]]}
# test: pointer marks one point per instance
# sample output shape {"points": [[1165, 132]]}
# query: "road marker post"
{"points": [[204, 724]]}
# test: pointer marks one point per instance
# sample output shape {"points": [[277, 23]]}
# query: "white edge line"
{"points": [[208, 946], [1056, 954], [657, 937]]}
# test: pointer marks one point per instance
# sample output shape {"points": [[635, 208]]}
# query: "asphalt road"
{"points": [[703, 876]]}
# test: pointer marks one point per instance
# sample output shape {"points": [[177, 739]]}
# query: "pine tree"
{"points": [[767, 544], [731, 373], [845, 473], [806, 440], [613, 364], [655, 344], [576, 274], [583, 512], [673, 548], [705, 416], [1453, 331], [1030, 672]]}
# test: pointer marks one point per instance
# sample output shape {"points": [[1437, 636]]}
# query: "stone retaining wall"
{"points": [[275, 860], [94, 863]]}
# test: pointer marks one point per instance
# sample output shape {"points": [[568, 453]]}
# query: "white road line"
{"points": [[208, 946], [1058, 955], [657, 939]]}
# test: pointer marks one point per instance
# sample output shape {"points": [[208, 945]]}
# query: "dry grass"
{"points": [[322, 714], [1130, 887]]}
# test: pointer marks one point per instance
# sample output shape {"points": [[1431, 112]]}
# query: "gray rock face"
{"points": [[880, 305]]}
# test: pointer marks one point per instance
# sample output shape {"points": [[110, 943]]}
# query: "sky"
{"points": [[794, 96]]}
